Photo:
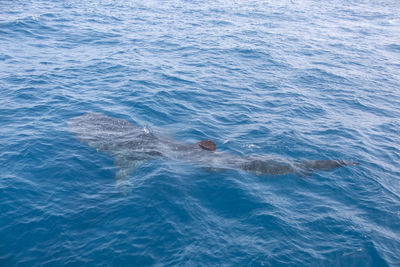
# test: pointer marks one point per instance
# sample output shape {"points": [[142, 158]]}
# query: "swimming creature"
{"points": [[131, 145]]}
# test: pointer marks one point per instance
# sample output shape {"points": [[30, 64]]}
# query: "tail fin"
{"points": [[325, 165]]}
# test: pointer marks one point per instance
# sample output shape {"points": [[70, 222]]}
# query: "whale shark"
{"points": [[131, 145]]}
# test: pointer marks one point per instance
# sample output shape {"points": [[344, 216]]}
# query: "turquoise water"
{"points": [[296, 80]]}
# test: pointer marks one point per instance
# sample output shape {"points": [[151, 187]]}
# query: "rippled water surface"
{"points": [[295, 80]]}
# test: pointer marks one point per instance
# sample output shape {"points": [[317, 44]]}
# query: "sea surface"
{"points": [[296, 80]]}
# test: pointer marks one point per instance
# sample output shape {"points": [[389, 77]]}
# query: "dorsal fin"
{"points": [[207, 145]]}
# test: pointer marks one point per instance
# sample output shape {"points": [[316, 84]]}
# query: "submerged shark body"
{"points": [[131, 145]]}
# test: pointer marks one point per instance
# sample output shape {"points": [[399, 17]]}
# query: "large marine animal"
{"points": [[131, 145]]}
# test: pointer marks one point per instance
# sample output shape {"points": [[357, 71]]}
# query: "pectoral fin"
{"points": [[125, 172], [214, 169], [125, 169]]}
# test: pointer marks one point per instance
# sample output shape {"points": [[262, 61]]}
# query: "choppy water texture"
{"points": [[290, 79]]}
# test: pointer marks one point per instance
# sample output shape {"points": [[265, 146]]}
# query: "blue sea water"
{"points": [[291, 79]]}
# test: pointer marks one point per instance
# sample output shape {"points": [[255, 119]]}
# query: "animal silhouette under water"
{"points": [[131, 145]]}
